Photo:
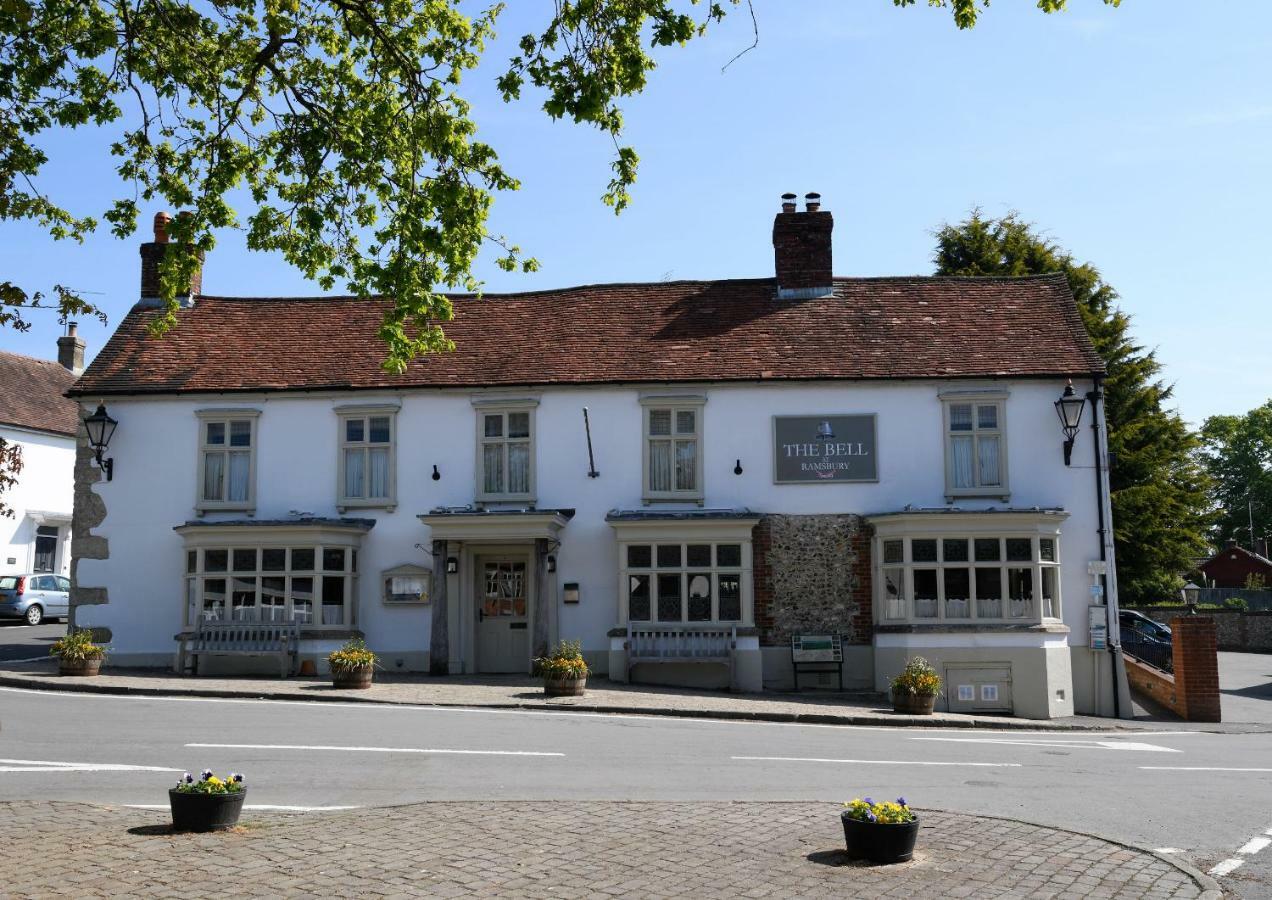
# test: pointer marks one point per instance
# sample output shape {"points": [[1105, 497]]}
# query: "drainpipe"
{"points": [[1104, 516]]}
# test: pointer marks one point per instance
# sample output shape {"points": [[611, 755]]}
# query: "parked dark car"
{"points": [[34, 597], [1139, 627]]}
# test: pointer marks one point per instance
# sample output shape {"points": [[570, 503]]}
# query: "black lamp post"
{"points": [[1069, 408], [101, 428]]}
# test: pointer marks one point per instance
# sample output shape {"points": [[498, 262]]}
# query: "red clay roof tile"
{"points": [[32, 394]]}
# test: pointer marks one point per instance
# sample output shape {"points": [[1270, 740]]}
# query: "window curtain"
{"points": [[492, 464], [987, 449], [686, 465], [378, 486], [961, 462], [519, 468], [660, 465], [354, 474], [240, 469], [213, 476]]}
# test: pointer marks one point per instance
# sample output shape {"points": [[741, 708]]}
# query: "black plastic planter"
{"points": [[205, 812], [879, 843]]}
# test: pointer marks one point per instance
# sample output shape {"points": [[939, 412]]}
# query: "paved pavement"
{"points": [[512, 691], [559, 849], [1245, 687], [19, 640]]}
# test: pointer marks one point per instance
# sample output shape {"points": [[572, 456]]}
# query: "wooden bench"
{"points": [[681, 644], [214, 638]]}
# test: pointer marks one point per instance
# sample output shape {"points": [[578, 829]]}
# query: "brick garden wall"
{"points": [[812, 575], [1193, 691]]}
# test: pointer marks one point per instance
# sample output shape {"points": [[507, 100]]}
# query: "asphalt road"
{"points": [[80, 747], [18, 640]]}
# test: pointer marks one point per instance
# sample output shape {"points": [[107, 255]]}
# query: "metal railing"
{"points": [[1156, 653]]}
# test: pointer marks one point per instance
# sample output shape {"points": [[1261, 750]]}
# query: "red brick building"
{"points": [[1231, 566]]}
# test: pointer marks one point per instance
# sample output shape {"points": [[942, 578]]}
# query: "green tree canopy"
{"points": [[345, 121], [1238, 455], [1157, 485]]}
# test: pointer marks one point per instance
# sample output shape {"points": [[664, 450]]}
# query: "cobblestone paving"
{"points": [[562, 849], [518, 691]]}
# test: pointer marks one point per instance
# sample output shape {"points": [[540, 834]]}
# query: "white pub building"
{"points": [[646, 468]]}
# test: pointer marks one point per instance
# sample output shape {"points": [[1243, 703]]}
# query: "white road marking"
{"points": [[1254, 845], [375, 749], [1227, 867], [321, 705], [1078, 744], [47, 765], [269, 806], [876, 762], [1167, 850], [26, 660], [1200, 769]]}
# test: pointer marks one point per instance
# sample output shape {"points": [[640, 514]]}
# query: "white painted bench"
{"points": [[648, 643], [281, 639]]}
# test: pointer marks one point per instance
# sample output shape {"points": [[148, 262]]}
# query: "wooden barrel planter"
{"points": [[354, 679], [564, 687], [882, 844], [80, 668], [205, 812], [914, 704]]}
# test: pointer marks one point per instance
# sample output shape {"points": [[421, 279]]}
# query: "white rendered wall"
{"points": [[46, 484], [156, 459]]}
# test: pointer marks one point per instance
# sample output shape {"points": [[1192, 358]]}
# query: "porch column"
{"points": [[542, 603], [439, 639]]}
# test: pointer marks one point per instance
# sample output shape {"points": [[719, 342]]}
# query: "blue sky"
{"points": [[1140, 138]]}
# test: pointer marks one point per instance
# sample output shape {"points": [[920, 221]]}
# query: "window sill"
{"points": [[743, 630], [386, 505], [527, 500], [698, 499], [247, 508], [973, 628], [977, 494]]}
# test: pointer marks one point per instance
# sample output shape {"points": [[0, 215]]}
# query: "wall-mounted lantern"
{"points": [[101, 428], [551, 563], [1069, 408], [570, 592], [452, 565]]}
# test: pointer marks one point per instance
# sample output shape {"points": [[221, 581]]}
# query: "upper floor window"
{"points": [[975, 445], [673, 448], [227, 459], [505, 451], [367, 457]]}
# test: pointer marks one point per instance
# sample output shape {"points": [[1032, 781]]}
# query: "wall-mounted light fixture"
{"points": [[570, 592], [1069, 408], [437, 476], [737, 467], [452, 565], [101, 428], [551, 563]]}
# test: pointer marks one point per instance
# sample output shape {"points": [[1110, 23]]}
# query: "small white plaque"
{"points": [[1097, 567]]}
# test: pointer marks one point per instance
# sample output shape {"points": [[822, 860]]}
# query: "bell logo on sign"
{"points": [[813, 449]]}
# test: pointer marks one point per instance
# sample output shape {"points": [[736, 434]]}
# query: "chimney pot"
{"points": [[161, 227], [788, 202], [812, 202], [70, 350]]}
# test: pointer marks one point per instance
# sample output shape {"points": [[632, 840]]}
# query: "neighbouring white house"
{"points": [[648, 468], [36, 415]]}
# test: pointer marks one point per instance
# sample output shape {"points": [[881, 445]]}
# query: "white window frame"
{"points": [[694, 403], [968, 527], [200, 539], [502, 407], [226, 416], [975, 399], [344, 414]]}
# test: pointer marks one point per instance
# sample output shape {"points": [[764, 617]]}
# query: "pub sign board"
{"points": [[822, 449]]}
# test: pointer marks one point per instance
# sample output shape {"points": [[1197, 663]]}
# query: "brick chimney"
{"points": [[801, 249], [151, 253], [70, 350]]}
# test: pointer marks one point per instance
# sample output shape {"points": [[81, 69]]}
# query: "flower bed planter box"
{"points": [[205, 812], [80, 668], [914, 704], [878, 843], [354, 679], [564, 687]]}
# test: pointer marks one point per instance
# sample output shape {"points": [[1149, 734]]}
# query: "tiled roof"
{"points": [[31, 394], [870, 328]]}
